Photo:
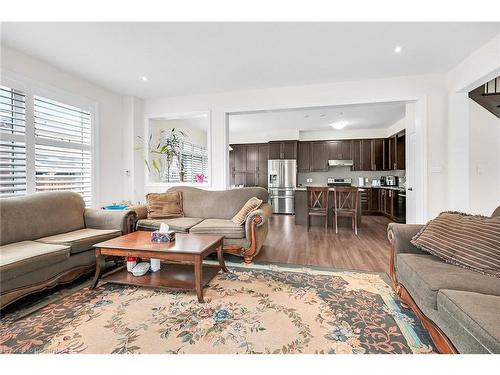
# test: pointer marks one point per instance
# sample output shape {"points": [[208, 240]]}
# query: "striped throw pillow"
{"points": [[251, 205], [471, 242]]}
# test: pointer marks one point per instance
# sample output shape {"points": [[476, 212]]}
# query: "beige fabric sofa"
{"points": [[47, 239], [210, 211], [460, 308]]}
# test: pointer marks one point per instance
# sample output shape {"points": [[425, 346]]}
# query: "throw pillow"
{"points": [[164, 205], [471, 242], [251, 205]]}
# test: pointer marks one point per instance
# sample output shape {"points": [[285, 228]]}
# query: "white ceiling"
{"points": [[195, 58], [359, 116]]}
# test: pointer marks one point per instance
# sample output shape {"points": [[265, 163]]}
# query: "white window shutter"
{"points": [[12, 142]]}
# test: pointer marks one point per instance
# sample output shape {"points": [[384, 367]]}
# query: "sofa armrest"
{"points": [[259, 216], [256, 228], [123, 220], [140, 210], [400, 236]]}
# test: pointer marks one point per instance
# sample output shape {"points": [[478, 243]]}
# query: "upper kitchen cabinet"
{"points": [[319, 157], [401, 150], [356, 154], [340, 150], [283, 150], [377, 155], [396, 151], [304, 157], [252, 157], [263, 150], [366, 155]]}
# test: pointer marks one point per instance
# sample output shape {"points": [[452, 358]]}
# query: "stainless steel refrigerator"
{"points": [[281, 185]]}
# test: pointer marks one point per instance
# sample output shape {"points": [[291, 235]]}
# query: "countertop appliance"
{"points": [[282, 176], [340, 163], [339, 181], [391, 180]]}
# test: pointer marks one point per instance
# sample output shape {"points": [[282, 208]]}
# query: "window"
{"points": [[60, 137], [12, 142], [195, 160], [62, 148]]}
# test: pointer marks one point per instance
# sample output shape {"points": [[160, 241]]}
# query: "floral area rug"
{"points": [[253, 309]]}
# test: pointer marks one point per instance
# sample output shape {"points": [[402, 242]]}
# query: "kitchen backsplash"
{"points": [[319, 178]]}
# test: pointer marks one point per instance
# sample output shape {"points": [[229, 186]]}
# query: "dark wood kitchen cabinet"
{"points": [[283, 150], [396, 151], [377, 154], [401, 150], [356, 154], [319, 157], [304, 157], [248, 164], [366, 155], [339, 150], [263, 150]]}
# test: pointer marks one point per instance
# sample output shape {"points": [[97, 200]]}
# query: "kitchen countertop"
{"points": [[304, 188], [331, 188]]}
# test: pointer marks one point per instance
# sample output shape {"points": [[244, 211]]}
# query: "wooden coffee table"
{"points": [[185, 268]]}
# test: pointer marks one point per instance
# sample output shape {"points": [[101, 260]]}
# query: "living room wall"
{"points": [[110, 173], [484, 166], [430, 89]]}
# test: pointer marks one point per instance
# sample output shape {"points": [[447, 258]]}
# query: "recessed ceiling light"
{"points": [[144, 78], [339, 125], [322, 115], [398, 49]]}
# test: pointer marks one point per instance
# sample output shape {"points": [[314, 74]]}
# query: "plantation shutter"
{"points": [[194, 158], [12, 142], [62, 148]]}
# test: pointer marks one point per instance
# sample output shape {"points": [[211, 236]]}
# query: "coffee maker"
{"points": [[391, 180]]}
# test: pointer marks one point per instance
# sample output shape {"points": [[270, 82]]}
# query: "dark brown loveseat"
{"points": [[46, 239]]}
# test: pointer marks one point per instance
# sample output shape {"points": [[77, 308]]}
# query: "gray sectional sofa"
{"points": [[460, 308], [46, 239], [210, 211]]}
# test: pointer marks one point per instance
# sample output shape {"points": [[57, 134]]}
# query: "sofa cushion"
{"points": [[39, 215], [223, 227], [164, 205], [180, 224], [473, 319], [82, 239], [26, 256], [424, 275], [216, 204], [468, 241]]}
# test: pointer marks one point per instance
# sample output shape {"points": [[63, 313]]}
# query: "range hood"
{"points": [[340, 163]]}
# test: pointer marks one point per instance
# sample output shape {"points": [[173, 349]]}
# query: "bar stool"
{"points": [[346, 204], [317, 204]]}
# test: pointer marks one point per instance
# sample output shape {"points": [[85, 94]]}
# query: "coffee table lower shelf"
{"points": [[170, 276]]}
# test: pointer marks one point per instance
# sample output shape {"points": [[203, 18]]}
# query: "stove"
{"points": [[339, 181]]}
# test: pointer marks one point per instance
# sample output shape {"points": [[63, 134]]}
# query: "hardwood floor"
{"points": [[290, 243]]}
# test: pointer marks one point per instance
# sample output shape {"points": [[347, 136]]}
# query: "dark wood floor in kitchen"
{"points": [[290, 243]]}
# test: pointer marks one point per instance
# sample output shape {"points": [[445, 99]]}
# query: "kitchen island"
{"points": [[301, 209]]}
